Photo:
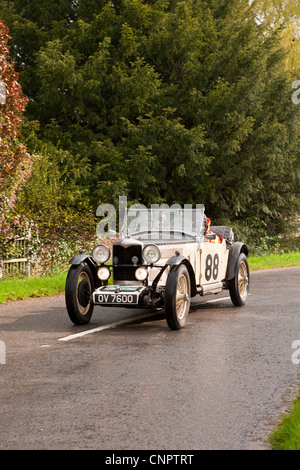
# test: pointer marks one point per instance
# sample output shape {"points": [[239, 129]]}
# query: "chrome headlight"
{"points": [[141, 273], [103, 273], [101, 253], [151, 253]]}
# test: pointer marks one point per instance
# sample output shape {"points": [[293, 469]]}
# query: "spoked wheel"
{"points": [[177, 297], [239, 285], [79, 286]]}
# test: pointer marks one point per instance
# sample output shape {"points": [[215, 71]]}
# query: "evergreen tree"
{"points": [[165, 101]]}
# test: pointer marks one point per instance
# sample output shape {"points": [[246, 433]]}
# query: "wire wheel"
{"points": [[243, 280], [239, 285], [177, 297], [182, 297]]}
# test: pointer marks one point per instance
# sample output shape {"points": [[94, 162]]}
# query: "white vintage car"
{"points": [[162, 260]]}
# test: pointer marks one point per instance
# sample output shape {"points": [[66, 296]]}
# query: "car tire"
{"points": [[177, 297], [239, 285], [79, 286]]}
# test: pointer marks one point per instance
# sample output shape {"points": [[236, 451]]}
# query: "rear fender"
{"points": [[235, 250]]}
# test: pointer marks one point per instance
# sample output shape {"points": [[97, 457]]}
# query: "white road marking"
{"points": [[123, 322], [216, 300], [110, 325]]}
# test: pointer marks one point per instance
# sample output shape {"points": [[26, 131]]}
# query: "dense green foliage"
{"points": [[161, 100]]}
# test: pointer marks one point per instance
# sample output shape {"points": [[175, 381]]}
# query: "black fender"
{"points": [[78, 259], [234, 252], [83, 257], [175, 261]]}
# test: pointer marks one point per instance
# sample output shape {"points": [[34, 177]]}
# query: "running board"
{"points": [[214, 288]]}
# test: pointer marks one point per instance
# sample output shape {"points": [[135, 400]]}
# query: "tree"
{"points": [[284, 16], [15, 161], [165, 101], [252, 122]]}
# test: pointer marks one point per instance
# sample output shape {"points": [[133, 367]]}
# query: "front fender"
{"points": [[78, 259], [85, 258], [235, 250], [176, 261]]}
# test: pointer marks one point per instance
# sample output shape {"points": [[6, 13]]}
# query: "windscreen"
{"points": [[175, 223]]}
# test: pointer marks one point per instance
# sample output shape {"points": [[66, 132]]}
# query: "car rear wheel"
{"points": [[177, 297], [79, 286], [239, 285]]}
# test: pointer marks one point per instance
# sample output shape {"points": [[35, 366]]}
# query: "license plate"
{"points": [[118, 299]]}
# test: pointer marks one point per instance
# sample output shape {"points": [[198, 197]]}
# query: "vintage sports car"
{"points": [[164, 258]]}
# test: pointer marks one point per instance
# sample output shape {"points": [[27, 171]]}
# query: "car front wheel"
{"points": [[177, 297], [79, 286], [239, 285]]}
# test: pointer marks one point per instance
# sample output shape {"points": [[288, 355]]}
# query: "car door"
{"points": [[213, 262]]}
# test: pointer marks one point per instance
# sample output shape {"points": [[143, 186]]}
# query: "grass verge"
{"points": [[21, 288], [275, 260], [287, 435]]}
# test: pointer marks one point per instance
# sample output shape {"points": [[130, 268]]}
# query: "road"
{"points": [[219, 383]]}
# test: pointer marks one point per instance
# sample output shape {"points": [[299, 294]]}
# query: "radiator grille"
{"points": [[122, 255]]}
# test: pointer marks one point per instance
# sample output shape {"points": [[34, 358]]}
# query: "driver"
{"points": [[207, 230]]}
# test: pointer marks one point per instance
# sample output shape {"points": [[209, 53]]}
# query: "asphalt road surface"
{"points": [[219, 383]]}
